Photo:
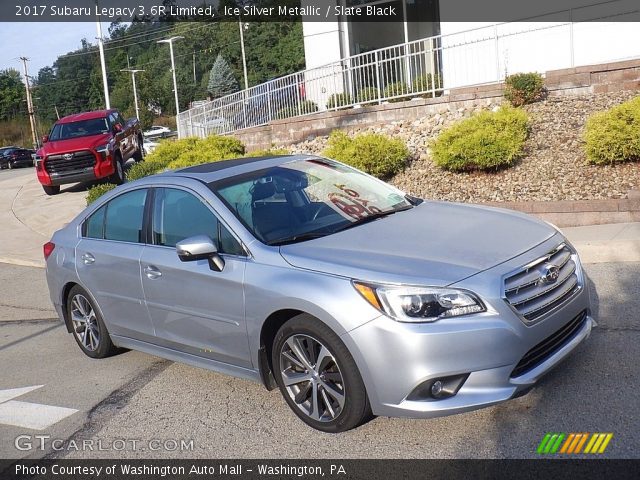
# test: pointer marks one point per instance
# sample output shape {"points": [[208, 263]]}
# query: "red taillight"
{"points": [[47, 248]]}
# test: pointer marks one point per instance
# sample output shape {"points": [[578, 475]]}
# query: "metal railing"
{"points": [[422, 68]]}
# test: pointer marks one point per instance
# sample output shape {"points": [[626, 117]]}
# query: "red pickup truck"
{"points": [[86, 147]]}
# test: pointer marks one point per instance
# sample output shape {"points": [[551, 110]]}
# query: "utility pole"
{"points": [[175, 83], [105, 85], [57, 114], [133, 72], [194, 68], [32, 121]]}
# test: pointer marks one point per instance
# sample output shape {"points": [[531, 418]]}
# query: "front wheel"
{"points": [[118, 174], [51, 189], [318, 377]]}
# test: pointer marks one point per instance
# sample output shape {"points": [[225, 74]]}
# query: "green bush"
{"points": [[144, 169], [425, 83], [210, 149], [338, 100], [368, 95], [523, 88], [398, 88], [306, 106], [614, 135], [97, 191], [373, 153], [485, 141]]}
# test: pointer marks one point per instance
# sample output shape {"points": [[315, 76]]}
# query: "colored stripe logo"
{"points": [[573, 443]]}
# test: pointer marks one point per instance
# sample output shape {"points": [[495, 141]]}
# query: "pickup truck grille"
{"points": [[549, 346], [79, 161], [543, 285]]}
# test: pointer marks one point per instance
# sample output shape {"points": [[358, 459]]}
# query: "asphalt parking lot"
{"points": [[137, 405]]}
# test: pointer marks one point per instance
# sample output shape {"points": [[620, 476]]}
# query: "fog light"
{"points": [[436, 388]]}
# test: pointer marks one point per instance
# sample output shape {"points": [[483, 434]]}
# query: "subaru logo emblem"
{"points": [[550, 273], [67, 156]]}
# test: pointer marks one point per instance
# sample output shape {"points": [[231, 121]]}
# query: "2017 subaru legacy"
{"points": [[351, 297]]}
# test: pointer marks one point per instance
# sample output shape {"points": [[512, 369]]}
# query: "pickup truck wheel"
{"points": [[51, 190], [118, 175], [139, 155], [10, 165]]}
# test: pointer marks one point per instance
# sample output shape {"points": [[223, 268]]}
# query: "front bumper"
{"points": [[395, 358]]}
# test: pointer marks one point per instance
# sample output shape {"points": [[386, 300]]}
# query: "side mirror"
{"points": [[200, 247], [117, 128], [45, 139]]}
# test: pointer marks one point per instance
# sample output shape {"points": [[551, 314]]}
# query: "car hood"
{"points": [[74, 144], [434, 243]]}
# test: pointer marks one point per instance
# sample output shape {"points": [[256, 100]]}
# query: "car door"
{"points": [[194, 309], [108, 264]]}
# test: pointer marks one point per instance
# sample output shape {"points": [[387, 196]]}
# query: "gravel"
{"points": [[554, 166]]}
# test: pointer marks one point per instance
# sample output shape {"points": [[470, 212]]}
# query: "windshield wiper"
{"points": [[371, 218], [296, 238]]}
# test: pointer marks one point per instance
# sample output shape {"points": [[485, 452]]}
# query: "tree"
{"points": [[12, 93], [221, 79]]}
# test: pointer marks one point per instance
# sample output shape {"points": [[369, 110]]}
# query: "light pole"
{"points": [[175, 83], [105, 84], [243, 26], [29, 103], [133, 72]]}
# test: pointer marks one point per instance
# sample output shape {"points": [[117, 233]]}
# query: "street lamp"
{"points": [[243, 26], [133, 72], [175, 83]]}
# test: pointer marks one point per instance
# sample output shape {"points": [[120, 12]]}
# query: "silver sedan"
{"points": [[351, 297]]}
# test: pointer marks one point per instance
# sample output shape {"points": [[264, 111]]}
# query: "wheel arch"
{"points": [[66, 290]]}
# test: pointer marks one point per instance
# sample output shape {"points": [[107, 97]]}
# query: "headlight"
{"points": [[420, 304], [104, 150]]}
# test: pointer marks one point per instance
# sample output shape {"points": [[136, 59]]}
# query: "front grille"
{"points": [[549, 346], [533, 295], [79, 161]]}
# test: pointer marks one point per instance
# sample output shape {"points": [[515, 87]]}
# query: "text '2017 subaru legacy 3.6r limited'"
{"points": [[305, 274]]}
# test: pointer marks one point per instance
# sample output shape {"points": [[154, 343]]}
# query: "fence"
{"points": [[422, 68]]}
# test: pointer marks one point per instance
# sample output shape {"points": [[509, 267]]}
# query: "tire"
{"points": [[118, 175], [331, 375], [139, 155], [9, 165], [94, 342], [51, 190]]}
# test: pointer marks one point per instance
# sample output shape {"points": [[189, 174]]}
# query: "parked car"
{"points": [[86, 147], [16, 157], [157, 131], [351, 297]]}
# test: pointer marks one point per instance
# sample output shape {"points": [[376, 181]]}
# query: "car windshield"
{"points": [[83, 128], [305, 199]]}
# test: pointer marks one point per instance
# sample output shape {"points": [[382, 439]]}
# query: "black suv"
{"points": [[12, 157]]}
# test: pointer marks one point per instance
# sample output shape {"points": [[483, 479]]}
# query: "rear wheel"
{"points": [[10, 165], [139, 155], [87, 325], [318, 377], [51, 189], [118, 175]]}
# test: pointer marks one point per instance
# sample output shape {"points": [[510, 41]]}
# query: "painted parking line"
{"points": [[29, 415]]}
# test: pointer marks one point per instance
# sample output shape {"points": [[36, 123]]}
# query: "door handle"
{"points": [[88, 259], [152, 272]]}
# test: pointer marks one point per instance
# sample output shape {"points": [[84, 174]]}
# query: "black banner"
{"points": [[320, 10], [311, 469]]}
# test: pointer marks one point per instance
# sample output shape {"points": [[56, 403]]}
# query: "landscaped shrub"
{"points": [[368, 95], [425, 83], [338, 100], [306, 106], [210, 149], [398, 88], [144, 169], [614, 135], [523, 88], [485, 141], [97, 191], [373, 153]]}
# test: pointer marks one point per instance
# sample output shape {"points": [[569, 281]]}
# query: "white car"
{"points": [[157, 130], [149, 146]]}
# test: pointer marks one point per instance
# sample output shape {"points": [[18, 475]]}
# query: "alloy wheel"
{"points": [[312, 378], [85, 323]]}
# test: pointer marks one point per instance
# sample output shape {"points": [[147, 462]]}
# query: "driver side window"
{"points": [[178, 215]]}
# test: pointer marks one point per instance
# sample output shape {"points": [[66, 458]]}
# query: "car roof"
{"points": [[77, 117], [210, 172]]}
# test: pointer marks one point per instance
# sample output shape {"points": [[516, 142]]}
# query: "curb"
{"points": [[22, 263]]}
